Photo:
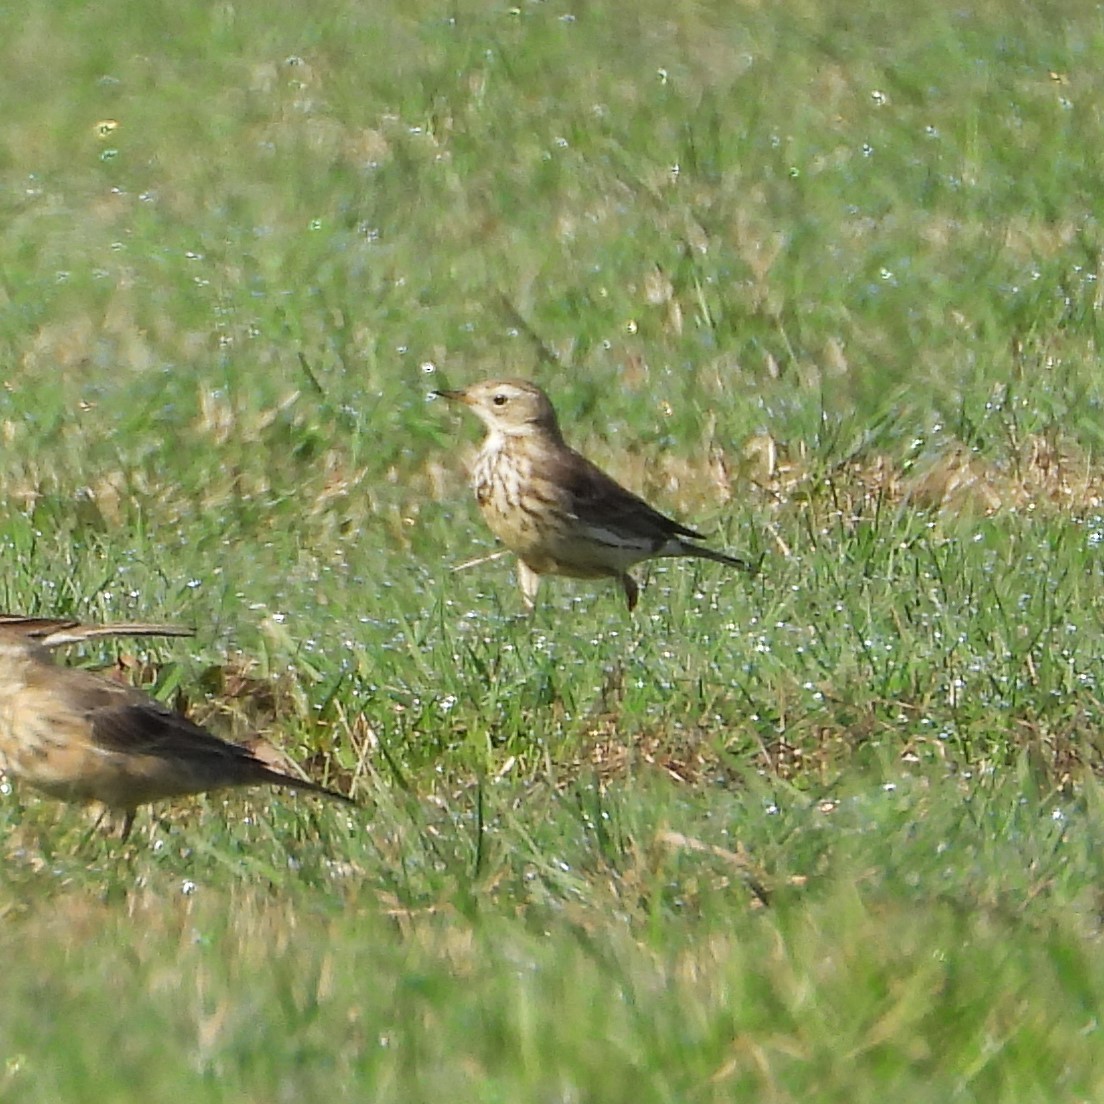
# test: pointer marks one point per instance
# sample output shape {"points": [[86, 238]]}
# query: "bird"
{"points": [[80, 737], [559, 513]]}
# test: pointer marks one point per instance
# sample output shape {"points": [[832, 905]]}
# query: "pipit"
{"points": [[78, 736], [551, 506]]}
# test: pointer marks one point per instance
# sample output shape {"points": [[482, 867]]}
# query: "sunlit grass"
{"points": [[821, 281]]}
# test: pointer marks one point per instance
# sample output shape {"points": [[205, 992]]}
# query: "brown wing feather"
{"points": [[598, 499], [125, 721], [148, 728]]}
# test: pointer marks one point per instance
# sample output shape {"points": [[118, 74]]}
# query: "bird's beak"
{"points": [[454, 396]]}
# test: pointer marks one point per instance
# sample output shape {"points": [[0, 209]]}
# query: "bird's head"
{"points": [[511, 407]]}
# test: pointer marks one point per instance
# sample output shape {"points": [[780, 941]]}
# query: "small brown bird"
{"points": [[78, 736], [553, 507]]}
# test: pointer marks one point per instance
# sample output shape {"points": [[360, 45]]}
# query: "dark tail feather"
{"points": [[750, 566], [266, 774]]}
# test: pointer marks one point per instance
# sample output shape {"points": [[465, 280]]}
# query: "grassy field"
{"points": [[822, 281]]}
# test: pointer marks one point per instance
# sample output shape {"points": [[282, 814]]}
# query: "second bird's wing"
{"points": [[124, 720], [162, 749]]}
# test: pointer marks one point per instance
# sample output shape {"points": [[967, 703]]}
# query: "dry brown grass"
{"points": [[1043, 472]]}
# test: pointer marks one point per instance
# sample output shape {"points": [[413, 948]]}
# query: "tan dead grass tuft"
{"points": [[237, 700], [612, 755], [60, 346], [954, 480]]}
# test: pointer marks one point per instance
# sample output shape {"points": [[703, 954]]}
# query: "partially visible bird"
{"points": [[78, 736], [556, 510]]}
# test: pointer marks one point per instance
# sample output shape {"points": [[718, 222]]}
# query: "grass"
{"points": [[822, 281]]}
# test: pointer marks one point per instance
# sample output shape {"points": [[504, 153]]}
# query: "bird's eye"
{"points": [[499, 399]]}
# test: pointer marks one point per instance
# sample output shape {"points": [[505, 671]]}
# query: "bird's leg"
{"points": [[529, 581], [632, 591], [106, 817]]}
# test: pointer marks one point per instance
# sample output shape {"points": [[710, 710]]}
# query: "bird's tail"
{"points": [[739, 562], [258, 773]]}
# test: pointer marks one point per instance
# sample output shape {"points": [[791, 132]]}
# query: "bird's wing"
{"points": [[149, 729], [601, 502], [126, 721], [135, 749], [190, 756]]}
